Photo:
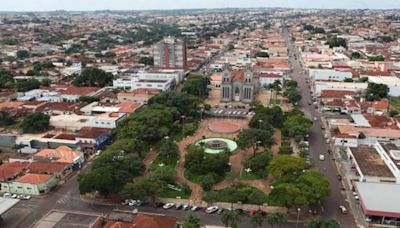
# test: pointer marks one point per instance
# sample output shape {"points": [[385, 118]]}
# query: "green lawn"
{"points": [[170, 193], [171, 162], [275, 101], [236, 193]]}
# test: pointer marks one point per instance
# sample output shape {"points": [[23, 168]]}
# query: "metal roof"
{"points": [[6, 204], [379, 198]]}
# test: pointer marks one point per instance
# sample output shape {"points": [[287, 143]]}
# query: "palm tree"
{"points": [[257, 220], [321, 222], [230, 216], [277, 218], [277, 85], [191, 221]]}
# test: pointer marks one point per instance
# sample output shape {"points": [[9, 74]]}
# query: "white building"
{"points": [[268, 78], [392, 82], [347, 86], [161, 81], [328, 75]]}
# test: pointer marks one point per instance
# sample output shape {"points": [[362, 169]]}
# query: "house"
{"points": [[62, 154], [92, 139], [10, 171], [268, 78], [30, 184], [141, 96], [57, 169], [328, 75]]}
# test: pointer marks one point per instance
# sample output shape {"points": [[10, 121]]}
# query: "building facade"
{"points": [[170, 53], [238, 86]]}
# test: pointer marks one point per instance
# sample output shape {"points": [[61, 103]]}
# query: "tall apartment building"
{"points": [[170, 53]]}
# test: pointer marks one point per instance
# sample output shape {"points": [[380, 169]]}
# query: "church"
{"points": [[239, 86]]}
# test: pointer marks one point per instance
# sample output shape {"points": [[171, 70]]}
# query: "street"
{"points": [[330, 205]]}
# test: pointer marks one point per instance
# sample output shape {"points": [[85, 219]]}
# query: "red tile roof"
{"points": [[31, 178], [336, 93], [144, 221], [11, 170], [46, 167]]}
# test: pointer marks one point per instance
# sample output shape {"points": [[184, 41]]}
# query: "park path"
{"points": [[148, 160], [277, 142], [197, 190]]}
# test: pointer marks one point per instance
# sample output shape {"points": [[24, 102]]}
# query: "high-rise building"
{"points": [[170, 53]]}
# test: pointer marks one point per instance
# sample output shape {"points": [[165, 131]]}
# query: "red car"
{"points": [[259, 211]]}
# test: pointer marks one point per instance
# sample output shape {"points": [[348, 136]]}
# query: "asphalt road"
{"points": [[318, 146]]}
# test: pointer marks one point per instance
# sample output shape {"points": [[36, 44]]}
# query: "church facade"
{"points": [[239, 86]]}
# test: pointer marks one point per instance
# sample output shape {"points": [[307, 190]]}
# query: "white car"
{"points": [[9, 195], [211, 209], [24, 197], [168, 205], [343, 209], [321, 157], [315, 118]]}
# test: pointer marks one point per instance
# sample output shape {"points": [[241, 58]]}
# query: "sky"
{"points": [[83, 5]]}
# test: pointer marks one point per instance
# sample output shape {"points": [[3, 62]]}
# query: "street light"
{"points": [[298, 216]]}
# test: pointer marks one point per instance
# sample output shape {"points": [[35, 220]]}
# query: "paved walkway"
{"points": [[197, 191]]}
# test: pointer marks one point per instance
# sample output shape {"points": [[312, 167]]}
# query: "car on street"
{"points": [[339, 177], [368, 219], [158, 204], [185, 207], [212, 209], [343, 209], [195, 208], [168, 205], [315, 118], [220, 211], [24, 197], [321, 157], [259, 211], [9, 195], [178, 206]]}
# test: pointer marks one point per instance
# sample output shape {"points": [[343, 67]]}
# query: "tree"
{"points": [[286, 148], [262, 54], [110, 54], [93, 77], [258, 164], [293, 96], [89, 99], [336, 42], [168, 148], [377, 58], [277, 218], [149, 61], [376, 91], [46, 82], [22, 54], [287, 194], [253, 137], [355, 55], [26, 85], [314, 186], [256, 220], [196, 86], [191, 221], [35, 123], [142, 188], [6, 119], [230, 217], [321, 223], [6, 79], [285, 164], [348, 80], [290, 84], [230, 47]]}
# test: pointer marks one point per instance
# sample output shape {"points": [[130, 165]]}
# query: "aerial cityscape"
{"points": [[156, 114]]}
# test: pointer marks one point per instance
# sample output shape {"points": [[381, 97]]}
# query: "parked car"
{"points": [[327, 141], [9, 195], [259, 211], [24, 197], [339, 177], [315, 118], [212, 209], [239, 211], [185, 207], [220, 211], [368, 219], [321, 157], [168, 205], [343, 209], [195, 208], [178, 206]]}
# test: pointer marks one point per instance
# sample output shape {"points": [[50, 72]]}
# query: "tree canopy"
{"points": [[6, 79], [23, 54], [336, 42], [321, 223], [376, 91], [35, 123], [93, 77], [146, 61], [197, 86], [6, 119], [26, 85]]}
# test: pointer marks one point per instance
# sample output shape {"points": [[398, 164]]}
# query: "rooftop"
{"points": [[61, 154], [370, 163], [31, 178], [380, 199], [9, 171]]}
